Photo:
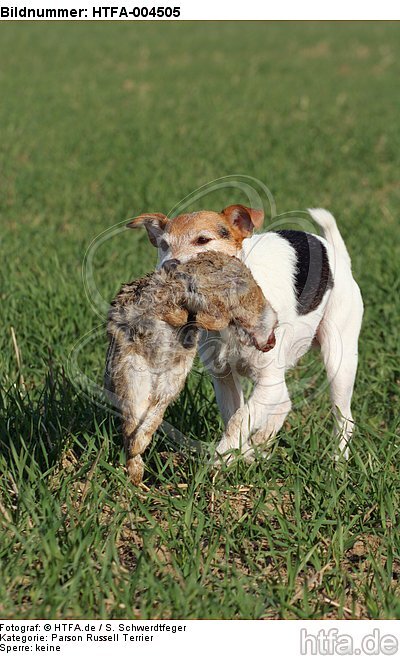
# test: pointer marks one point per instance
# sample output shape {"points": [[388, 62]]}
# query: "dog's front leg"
{"points": [[229, 395], [226, 382], [260, 419]]}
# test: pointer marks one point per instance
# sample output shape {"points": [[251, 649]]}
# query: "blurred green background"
{"points": [[99, 122]]}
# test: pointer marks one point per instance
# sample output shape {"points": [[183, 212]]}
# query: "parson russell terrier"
{"points": [[308, 282]]}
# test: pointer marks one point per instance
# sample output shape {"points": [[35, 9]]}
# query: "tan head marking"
{"points": [[243, 219], [187, 235]]}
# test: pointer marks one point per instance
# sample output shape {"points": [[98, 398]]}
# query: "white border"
{"points": [[215, 10], [183, 637]]}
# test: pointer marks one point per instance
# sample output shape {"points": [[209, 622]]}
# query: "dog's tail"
{"points": [[331, 232]]}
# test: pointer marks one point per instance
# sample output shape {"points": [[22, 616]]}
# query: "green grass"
{"points": [[98, 123]]}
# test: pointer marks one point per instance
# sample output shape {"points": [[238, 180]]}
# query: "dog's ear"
{"points": [[154, 224], [245, 219]]}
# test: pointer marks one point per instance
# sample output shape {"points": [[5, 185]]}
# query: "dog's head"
{"points": [[185, 236]]}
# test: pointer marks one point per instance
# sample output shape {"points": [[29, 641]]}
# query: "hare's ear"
{"points": [[244, 219], [154, 224]]}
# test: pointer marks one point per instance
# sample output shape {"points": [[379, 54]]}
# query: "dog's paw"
{"points": [[226, 457], [217, 460]]}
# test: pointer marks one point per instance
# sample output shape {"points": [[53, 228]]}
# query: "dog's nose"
{"points": [[170, 265]]}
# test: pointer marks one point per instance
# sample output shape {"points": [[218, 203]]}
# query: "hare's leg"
{"points": [[137, 436], [132, 383], [146, 396]]}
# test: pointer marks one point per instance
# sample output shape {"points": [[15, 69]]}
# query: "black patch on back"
{"points": [[313, 274]]}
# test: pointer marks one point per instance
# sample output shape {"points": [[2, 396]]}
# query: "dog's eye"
{"points": [[163, 245], [202, 240]]}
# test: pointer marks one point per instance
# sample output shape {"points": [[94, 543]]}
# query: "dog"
{"points": [[308, 282], [153, 327]]}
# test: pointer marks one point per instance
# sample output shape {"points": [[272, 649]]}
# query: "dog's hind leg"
{"points": [[338, 337]]}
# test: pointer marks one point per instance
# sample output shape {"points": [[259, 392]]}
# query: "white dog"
{"points": [[308, 282]]}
